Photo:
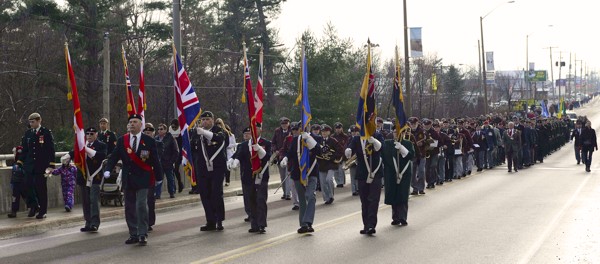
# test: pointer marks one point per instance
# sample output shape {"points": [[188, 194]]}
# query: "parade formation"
{"points": [[416, 154]]}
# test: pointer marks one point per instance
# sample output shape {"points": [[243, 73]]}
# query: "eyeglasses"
{"points": [[160, 128]]}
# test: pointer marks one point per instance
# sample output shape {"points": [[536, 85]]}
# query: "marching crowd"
{"points": [[425, 154]]}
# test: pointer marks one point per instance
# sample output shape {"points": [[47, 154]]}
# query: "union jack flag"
{"points": [[188, 112]]}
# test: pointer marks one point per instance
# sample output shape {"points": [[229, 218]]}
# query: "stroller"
{"points": [[110, 188]]}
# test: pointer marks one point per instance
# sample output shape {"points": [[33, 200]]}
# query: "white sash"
{"points": [[209, 162]]}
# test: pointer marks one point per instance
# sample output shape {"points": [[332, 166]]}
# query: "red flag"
{"points": [[79, 145], [142, 94], [130, 102], [251, 113], [258, 96]]}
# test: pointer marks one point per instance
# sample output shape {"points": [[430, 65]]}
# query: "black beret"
{"points": [[207, 114], [138, 116]]}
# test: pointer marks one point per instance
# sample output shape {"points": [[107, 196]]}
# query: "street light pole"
{"points": [[407, 66], [485, 98]]}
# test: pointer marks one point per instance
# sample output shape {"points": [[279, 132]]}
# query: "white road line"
{"points": [[552, 226]]}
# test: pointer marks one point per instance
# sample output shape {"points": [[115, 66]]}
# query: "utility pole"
{"points": [[559, 74], [552, 71], [407, 65], [106, 78]]}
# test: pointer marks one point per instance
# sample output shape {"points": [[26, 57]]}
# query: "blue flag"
{"points": [[545, 112], [302, 99]]}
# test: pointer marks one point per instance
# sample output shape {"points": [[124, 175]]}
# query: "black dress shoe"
{"points": [[143, 240], [396, 222], [220, 226], [355, 194], [288, 198], [421, 192], [371, 231], [414, 193], [12, 215], [303, 229], [296, 208], [330, 201], [171, 195], [40, 216], [363, 231], [509, 170], [150, 228], [85, 229], [208, 227], [180, 185], [283, 197], [32, 211], [516, 170], [261, 230], [340, 186], [68, 209], [403, 222], [247, 219], [132, 240], [310, 229], [253, 230]]}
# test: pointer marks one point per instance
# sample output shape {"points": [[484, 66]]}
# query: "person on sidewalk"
{"points": [[176, 133], [255, 184], [588, 144], [149, 131], [67, 173], [90, 179], [170, 152], [37, 157], [17, 184], [141, 170], [209, 145]]}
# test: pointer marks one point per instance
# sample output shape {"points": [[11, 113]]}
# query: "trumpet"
{"points": [[350, 162]]}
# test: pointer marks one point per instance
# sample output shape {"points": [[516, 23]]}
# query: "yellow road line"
{"points": [[258, 246]]}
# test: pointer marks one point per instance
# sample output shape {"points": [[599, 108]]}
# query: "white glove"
{"points": [[107, 174], [235, 163], [403, 150], [261, 151], [348, 153], [229, 161], [310, 142], [375, 142], [305, 135], [203, 132], [157, 183], [90, 152], [283, 162], [397, 145]]}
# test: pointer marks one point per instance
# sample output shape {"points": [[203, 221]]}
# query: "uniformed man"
{"points": [[418, 167], [576, 136], [512, 146], [431, 153], [343, 139], [36, 157], [355, 132], [91, 180], [279, 136], [140, 173], [329, 160], [255, 184], [306, 191], [369, 174], [106, 136], [295, 128], [397, 155], [209, 145]]}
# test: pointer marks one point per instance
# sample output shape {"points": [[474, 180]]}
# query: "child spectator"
{"points": [[67, 179], [17, 184]]}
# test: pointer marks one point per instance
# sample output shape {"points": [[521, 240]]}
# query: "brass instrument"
{"points": [[350, 162]]}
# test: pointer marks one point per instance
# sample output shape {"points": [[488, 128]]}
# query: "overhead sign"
{"points": [[539, 76]]}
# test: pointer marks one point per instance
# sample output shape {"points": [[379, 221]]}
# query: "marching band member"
{"points": [[397, 155]]}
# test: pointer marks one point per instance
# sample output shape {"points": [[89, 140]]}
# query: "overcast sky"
{"points": [[450, 29]]}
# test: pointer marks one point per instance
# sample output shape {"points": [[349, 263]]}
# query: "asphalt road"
{"points": [[548, 213]]}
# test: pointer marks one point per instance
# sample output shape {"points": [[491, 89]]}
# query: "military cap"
{"points": [[149, 129], [103, 120], [295, 125], [338, 125], [246, 130], [326, 127], [427, 121], [34, 116], [91, 130], [354, 128], [138, 116], [284, 120], [315, 127], [207, 114], [413, 120]]}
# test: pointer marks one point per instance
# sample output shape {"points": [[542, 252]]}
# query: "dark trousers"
{"points": [[512, 160], [400, 211], [18, 192], [369, 200], [258, 205], [136, 211], [227, 176], [89, 204], [450, 166], [211, 194], [586, 155], [178, 175], [151, 208], [38, 192], [247, 190]]}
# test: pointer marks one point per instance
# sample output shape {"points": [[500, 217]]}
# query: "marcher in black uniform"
{"points": [[89, 182], [369, 174], [255, 184], [140, 173], [37, 156], [588, 144], [106, 136], [576, 134], [397, 158], [209, 145]]}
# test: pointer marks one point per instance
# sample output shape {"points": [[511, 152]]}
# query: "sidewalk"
{"points": [[58, 218]]}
